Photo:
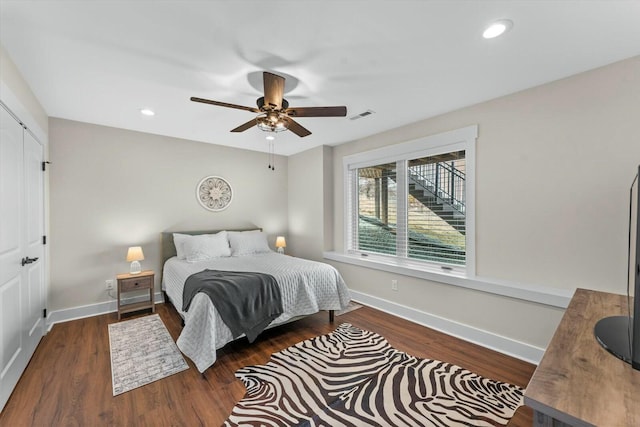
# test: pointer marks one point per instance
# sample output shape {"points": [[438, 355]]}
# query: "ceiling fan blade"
{"points": [[224, 104], [273, 90], [317, 111], [251, 123], [297, 128]]}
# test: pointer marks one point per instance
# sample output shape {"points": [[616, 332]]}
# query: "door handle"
{"points": [[27, 260]]}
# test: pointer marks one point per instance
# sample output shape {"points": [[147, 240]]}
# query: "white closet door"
{"points": [[33, 272], [13, 356], [21, 230]]}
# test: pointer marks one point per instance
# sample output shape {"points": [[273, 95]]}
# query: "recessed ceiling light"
{"points": [[147, 112], [497, 28], [270, 137]]}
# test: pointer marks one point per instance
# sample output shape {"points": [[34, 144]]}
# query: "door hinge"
{"points": [[44, 240], [44, 165], [44, 313]]}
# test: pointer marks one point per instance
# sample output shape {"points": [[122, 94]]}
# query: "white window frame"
{"points": [[446, 142]]}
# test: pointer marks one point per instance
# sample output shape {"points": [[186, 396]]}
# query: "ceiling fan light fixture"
{"points": [[272, 122]]}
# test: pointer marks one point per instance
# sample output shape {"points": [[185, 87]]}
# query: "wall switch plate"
{"points": [[394, 285], [108, 284]]}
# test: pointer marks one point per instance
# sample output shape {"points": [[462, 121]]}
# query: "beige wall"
{"points": [[310, 202], [554, 164], [11, 77], [113, 188], [327, 182]]}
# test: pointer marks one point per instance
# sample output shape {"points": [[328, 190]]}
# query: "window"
{"points": [[414, 201], [436, 208], [377, 208]]}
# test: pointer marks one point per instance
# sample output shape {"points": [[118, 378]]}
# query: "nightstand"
{"points": [[135, 282]]}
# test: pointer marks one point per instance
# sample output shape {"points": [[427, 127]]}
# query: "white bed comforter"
{"points": [[306, 286]]}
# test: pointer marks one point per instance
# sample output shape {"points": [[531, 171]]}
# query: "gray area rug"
{"points": [[142, 351]]}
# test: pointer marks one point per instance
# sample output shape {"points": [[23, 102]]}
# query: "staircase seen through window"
{"points": [[430, 226]]}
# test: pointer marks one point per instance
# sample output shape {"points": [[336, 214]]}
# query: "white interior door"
{"points": [[13, 356], [33, 272], [21, 220]]}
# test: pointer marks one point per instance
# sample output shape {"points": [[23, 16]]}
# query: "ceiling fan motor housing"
{"points": [[260, 103]]}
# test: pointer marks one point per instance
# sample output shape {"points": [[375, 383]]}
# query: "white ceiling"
{"points": [[102, 61]]}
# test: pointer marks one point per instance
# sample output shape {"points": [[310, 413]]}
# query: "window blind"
{"points": [[410, 208]]}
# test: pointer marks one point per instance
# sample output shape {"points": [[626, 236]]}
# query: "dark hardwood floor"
{"points": [[68, 381]]}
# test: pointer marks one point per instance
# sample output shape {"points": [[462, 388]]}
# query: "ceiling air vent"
{"points": [[361, 115]]}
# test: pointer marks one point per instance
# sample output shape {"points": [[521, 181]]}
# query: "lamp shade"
{"points": [[135, 254], [280, 242]]}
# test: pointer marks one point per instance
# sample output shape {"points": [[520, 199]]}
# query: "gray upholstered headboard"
{"points": [[169, 249]]}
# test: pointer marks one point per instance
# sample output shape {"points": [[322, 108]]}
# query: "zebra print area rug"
{"points": [[352, 377]]}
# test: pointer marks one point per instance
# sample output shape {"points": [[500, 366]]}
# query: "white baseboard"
{"points": [[81, 312], [511, 347], [490, 340]]}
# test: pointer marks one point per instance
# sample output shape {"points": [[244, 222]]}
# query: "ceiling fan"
{"points": [[274, 113]]}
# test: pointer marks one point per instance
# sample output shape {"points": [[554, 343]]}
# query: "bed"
{"points": [[306, 287]]}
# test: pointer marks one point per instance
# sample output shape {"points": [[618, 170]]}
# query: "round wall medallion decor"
{"points": [[214, 193]]}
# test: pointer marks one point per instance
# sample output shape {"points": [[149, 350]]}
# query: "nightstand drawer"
{"points": [[128, 282], [135, 283]]}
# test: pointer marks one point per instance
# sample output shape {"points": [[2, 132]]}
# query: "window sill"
{"points": [[540, 294]]}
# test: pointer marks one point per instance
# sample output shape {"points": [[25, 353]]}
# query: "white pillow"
{"points": [[178, 242], [206, 246], [248, 242]]}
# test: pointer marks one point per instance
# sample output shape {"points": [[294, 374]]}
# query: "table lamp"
{"points": [[134, 255], [281, 244]]}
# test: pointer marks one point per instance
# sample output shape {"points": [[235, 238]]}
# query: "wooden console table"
{"points": [[579, 383]]}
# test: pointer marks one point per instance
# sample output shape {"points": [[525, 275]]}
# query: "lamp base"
{"points": [[281, 251], [135, 268]]}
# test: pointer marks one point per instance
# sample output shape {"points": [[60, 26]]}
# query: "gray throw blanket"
{"points": [[247, 302]]}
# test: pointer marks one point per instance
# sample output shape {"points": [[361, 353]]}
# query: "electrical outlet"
{"points": [[108, 284], [394, 285]]}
